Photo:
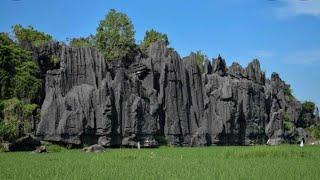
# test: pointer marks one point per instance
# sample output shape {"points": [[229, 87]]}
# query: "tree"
{"points": [[115, 36], [17, 72], [18, 81], [308, 107], [307, 116], [153, 36], [5, 39], [89, 41], [200, 58], [29, 36]]}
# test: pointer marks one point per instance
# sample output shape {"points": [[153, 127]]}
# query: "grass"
{"points": [[253, 162]]}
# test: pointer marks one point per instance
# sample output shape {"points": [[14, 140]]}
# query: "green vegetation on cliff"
{"points": [[29, 35], [89, 41], [19, 84], [153, 36], [115, 36]]}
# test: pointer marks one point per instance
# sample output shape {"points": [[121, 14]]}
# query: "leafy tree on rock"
{"points": [[153, 36], [307, 116], [200, 58], [18, 85], [89, 41], [17, 72], [115, 36], [29, 36]]}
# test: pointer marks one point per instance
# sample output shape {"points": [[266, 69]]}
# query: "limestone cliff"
{"points": [[89, 100]]}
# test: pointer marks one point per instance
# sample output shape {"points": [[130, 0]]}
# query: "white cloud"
{"points": [[299, 7], [306, 57]]}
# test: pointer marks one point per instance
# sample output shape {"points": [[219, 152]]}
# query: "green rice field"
{"points": [[217, 162]]}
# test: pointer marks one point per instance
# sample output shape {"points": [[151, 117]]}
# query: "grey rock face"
{"points": [[120, 103], [94, 148], [25, 143]]}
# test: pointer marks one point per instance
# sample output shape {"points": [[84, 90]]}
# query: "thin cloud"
{"points": [[291, 8], [307, 57]]}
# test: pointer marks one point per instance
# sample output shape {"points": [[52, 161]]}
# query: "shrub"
{"points": [[8, 131], [17, 117], [153, 36], [315, 132], [287, 125], [288, 92], [26, 83], [29, 35], [161, 139], [115, 36], [308, 107], [83, 42], [200, 58]]}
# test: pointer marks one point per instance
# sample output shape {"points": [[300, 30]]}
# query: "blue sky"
{"points": [[283, 34]]}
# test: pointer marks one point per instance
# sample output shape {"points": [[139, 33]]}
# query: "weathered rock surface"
{"points": [[25, 143], [94, 148], [119, 103], [41, 149]]}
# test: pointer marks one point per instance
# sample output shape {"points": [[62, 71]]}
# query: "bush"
{"points": [[315, 132], [161, 139], [115, 36], [308, 107], [17, 117], [8, 131], [288, 92], [200, 58], [30, 36], [153, 36], [83, 42], [287, 125]]}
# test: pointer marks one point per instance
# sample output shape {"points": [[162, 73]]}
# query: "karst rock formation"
{"points": [[161, 97]]}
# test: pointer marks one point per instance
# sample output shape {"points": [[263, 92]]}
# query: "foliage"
{"points": [[314, 132], [286, 122], [115, 36], [288, 92], [200, 58], [161, 139], [29, 35], [55, 60], [288, 126], [252, 162], [83, 42], [17, 116], [308, 107], [17, 72], [153, 36], [7, 131], [286, 117], [26, 83], [54, 148], [16, 110], [5, 39], [307, 116]]}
